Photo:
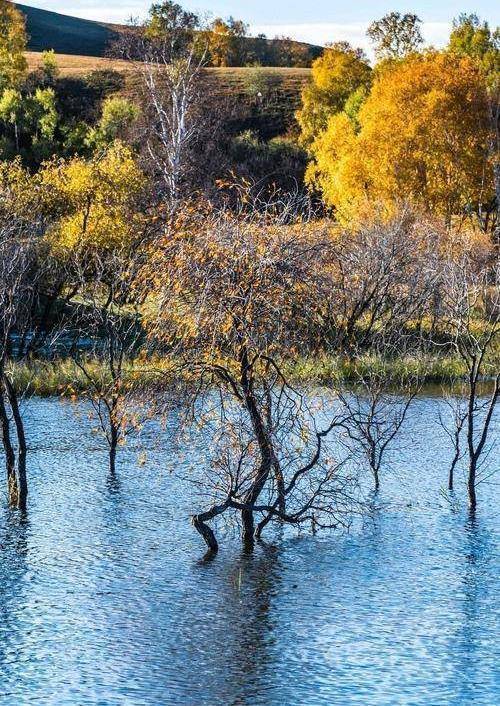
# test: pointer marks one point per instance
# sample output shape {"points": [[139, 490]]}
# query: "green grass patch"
{"points": [[62, 377]]}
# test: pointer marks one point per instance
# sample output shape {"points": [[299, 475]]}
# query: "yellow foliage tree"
{"points": [[13, 41], [423, 137], [338, 73], [93, 200], [224, 41]]}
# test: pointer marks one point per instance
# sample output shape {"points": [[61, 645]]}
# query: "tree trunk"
{"points": [[248, 535], [207, 534], [451, 474], [22, 446], [471, 484], [10, 457], [112, 449], [200, 524], [265, 448]]}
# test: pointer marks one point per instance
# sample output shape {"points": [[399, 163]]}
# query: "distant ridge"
{"points": [[75, 36], [65, 34]]}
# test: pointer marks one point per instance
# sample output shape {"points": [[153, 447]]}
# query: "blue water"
{"points": [[104, 600]]}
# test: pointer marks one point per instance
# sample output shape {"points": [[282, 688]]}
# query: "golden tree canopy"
{"points": [[13, 41], [92, 201], [338, 73], [423, 137]]}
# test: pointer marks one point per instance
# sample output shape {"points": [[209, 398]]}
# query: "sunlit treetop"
{"points": [[424, 136], [335, 76], [474, 38], [93, 202], [396, 35], [13, 41]]}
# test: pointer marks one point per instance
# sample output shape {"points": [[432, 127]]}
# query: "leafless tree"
{"points": [[18, 277], [106, 331], [166, 60], [235, 296], [373, 411], [384, 276], [453, 428], [472, 323]]}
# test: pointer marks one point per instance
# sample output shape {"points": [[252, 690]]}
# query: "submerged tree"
{"points": [[107, 309], [234, 298], [472, 323], [18, 277], [457, 408], [373, 412], [97, 238]]}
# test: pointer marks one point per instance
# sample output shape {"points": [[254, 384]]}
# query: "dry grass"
{"points": [[77, 65], [69, 65]]}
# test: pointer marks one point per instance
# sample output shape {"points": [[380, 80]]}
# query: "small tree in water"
{"points": [[234, 298], [373, 412], [108, 311], [18, 277], [472, 324]]}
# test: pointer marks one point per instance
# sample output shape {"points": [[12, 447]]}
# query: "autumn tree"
{"points": [[473, 38], [335, 76], [233, 297], [395, 35], [92, 200], [225, 42], [424, 136], [13, 41]]}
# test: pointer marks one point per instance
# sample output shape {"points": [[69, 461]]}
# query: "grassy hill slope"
{"points": [[80, 46], [232, 80], [64, 34]]}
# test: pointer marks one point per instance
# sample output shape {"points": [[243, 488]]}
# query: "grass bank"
{"points": [[62, 377]]}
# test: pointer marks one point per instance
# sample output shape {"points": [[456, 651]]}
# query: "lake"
{"points": [[104, 599]]}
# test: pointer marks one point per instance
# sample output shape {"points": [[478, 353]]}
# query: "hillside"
{"points": [[72, 35], [66, 35], [76, 65]]}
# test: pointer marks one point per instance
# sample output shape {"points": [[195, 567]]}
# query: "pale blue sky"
{"points": [[317, 21]]}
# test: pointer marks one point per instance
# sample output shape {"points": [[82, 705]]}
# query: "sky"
{"points": [[318, 21]]}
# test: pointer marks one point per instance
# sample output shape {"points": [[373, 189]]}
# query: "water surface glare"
{"points": [[104, 601]]}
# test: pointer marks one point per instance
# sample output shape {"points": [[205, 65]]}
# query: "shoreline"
{"points": [[63, 378]]}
